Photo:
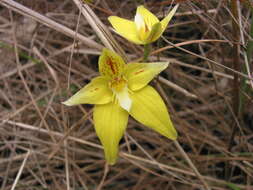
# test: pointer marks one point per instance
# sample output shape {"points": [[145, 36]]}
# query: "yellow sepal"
{"points": [[96, 92], [167, 19], [110, 122], [125, 28], [139, 75], [149, 109]]}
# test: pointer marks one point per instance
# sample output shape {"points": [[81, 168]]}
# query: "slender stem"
{"points": [[236, 66], [181, 150], [236, 83], [236, 54], [147, 50]]}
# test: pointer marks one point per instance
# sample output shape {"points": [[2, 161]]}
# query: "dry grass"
{"points": [[49, 49]]}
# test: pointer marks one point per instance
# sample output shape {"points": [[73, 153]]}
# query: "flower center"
{"points": [[120, 90], [117, 84]]}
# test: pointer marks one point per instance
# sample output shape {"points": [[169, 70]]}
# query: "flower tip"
{"points": [[140, 6], [111, 159], [175, 136], [173, 11], [177, 5], [172, 135], [111, 162], [166, 64], [111, 19], [163, 65], [67, 103]]}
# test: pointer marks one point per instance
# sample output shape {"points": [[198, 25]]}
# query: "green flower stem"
{"points": [[147, 50]]}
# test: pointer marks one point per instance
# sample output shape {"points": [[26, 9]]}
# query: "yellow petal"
{"points": [[155, 33], [143, 30], [125, 28], [149, 109], [96, 92], [166, 20], [149, 18], [139, 75], [110, 122], [110, 64]]}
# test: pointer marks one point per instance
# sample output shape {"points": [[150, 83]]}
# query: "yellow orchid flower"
{"points": [[120, 90], [145, 28]]}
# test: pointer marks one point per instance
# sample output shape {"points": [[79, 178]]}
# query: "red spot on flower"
{"points": [[111, 65], [146, 28], [138, 72]]}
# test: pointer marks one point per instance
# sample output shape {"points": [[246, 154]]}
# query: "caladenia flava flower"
{"points": [[120, 90], [145, 29]]}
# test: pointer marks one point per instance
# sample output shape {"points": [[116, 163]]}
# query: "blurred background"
{"points": [[49, 50]]}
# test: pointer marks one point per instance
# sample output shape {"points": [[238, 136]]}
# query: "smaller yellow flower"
{"points": [[120, 90], [145, 29]]}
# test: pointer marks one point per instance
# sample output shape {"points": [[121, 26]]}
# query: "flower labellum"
{"points": [[120, 90], [145, 29]]}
